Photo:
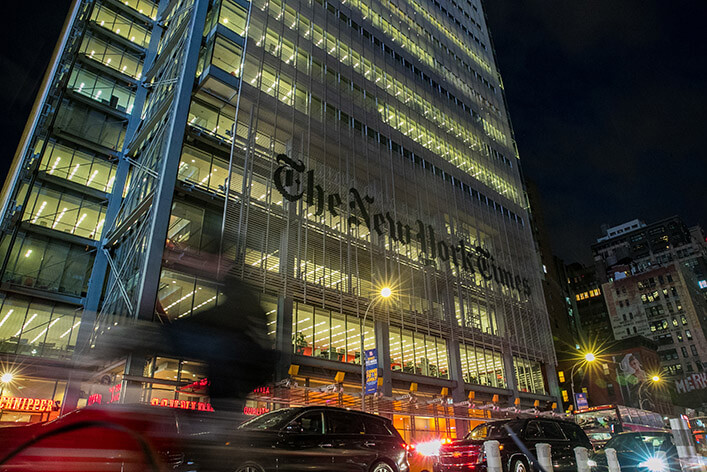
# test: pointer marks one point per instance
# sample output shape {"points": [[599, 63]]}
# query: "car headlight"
{"points": [[591, 463], [654, 464]]}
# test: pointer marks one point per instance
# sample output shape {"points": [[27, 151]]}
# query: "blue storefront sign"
{"points": [[580, 401], [371, 371]]}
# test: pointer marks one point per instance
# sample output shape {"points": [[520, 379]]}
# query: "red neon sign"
{"points": [[196, 386], [249, 410], [32, 405], [181, 404], [262, 391]]}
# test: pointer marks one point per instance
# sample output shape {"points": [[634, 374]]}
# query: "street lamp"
{"points": [[588, 357], [654, 379], [385, 292]]}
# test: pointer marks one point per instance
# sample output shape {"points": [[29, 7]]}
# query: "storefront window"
{"points": [[329, 335], [182, 380], [482, 366], [34, 388], [417, 353], [529, 375]]}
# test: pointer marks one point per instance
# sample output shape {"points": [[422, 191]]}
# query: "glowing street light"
{"points": [[7, 377], [655, 378], [588, 357], [385, 292]]}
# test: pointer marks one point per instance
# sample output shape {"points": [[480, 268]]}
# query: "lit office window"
{"points": [[37, 329], [66, 212], [78, 167], [183, 295], [417, 353], [329, 335], [482, 366], [529, 375], [233, 17], [51, 265]]}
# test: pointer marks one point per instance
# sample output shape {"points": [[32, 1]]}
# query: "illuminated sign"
{"points": [[181, 404], [31, 405], [249, 410], [470, 259], [697, 381], [97, 398], [196, 386], [702, 283]]}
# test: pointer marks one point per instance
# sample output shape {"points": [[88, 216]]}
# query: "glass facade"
{"points": [[325, 149]]}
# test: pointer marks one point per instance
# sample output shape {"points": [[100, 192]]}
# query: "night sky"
{"points": [[608, 101]]}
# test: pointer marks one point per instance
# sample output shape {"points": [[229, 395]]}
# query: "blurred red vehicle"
{"points": [[119, 438]]}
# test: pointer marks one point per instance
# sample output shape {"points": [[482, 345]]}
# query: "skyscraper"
{"points": [[324, 150]]}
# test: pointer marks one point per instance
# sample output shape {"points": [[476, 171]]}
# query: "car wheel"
{"points": [[519, 465], [382, 467], [249, 467]]}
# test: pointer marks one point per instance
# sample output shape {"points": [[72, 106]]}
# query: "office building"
{"points": [[640, 247], [324, 150], [663, 304]]}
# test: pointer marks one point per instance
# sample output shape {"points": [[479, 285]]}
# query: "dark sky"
{"points": [[608, 100], [609, 104]]}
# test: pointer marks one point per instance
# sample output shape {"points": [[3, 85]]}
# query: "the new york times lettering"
{"points": [[288, 181]]}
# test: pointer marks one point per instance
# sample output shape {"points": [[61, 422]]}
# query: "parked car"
{"points": [[319, 438], [639, 451], [468, 454]]}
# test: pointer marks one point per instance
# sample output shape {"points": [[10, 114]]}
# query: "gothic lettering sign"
{"points": [[288, 181]]}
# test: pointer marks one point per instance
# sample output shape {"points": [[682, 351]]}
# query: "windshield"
{"points": [[597, 420], [271, 420], [644, 443]]}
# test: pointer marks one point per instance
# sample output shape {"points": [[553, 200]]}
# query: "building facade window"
{"points": [[38, 329], [482, 366], [327, 334], [417, 353]]}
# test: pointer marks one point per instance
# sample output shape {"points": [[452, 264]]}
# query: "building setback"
{"points": [[323, 149]]}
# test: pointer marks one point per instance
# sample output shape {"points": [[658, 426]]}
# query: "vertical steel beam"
{"points": [[161, 208]]}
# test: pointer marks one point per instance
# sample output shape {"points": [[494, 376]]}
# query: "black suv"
{"points": [[318, 438], [468, 454]]}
